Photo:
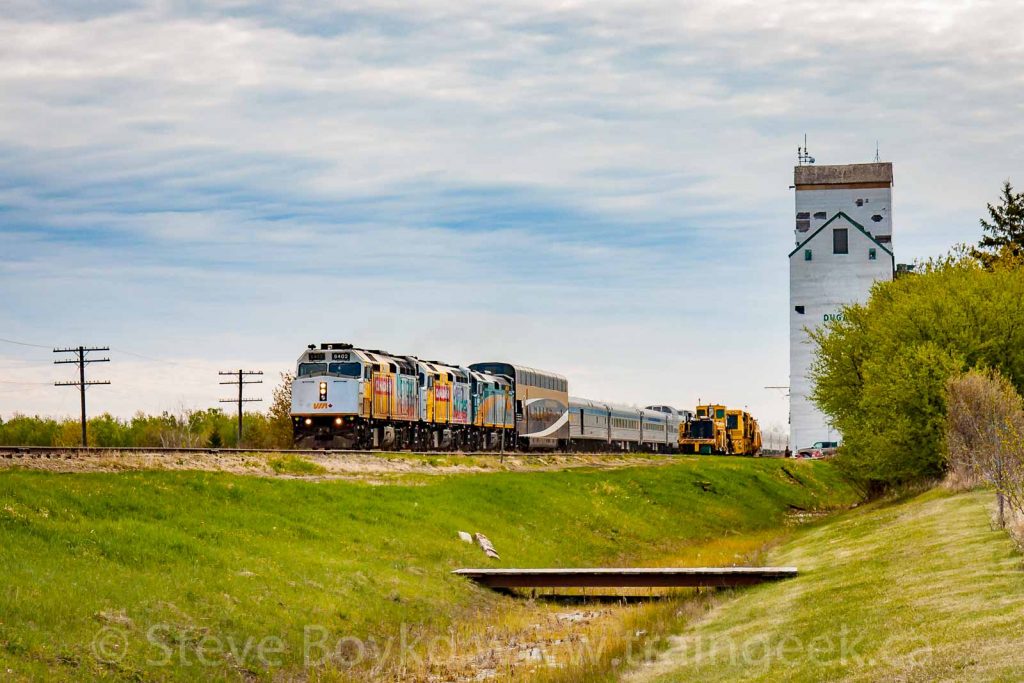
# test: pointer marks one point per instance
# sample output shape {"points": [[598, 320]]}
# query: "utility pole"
{"points": [[81, 359], [241, 382], [784, 388]]}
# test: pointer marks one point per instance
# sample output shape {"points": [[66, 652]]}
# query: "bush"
{"points": [[22, 430], [881, 371], [190, 429], [983, 435]]}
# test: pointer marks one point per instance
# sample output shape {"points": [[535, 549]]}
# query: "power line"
{"points": [[81, 359], [25, 366], [241, 382], [120, 350], [160, 360], [19, 343]]}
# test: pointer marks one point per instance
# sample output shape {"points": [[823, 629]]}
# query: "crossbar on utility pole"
{"points": [[81, 359], [241, 382]]}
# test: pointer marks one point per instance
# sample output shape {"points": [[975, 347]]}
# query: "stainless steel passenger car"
{"points": [[588, 424], [675, 419], [595, 426], [654, 431]]}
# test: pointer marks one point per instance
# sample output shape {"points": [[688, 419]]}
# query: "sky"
{"points": [[596, 188]]}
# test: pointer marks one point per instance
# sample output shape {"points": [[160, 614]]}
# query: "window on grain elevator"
{"points": [[841, 241]]}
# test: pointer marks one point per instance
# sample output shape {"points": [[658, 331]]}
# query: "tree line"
{"points": [[895, 374], [189, 428]]}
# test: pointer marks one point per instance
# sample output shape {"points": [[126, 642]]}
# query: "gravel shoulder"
{"points": [[374, 467]]}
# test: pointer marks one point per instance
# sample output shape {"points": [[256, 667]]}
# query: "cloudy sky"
{"points": [[597, 188]]}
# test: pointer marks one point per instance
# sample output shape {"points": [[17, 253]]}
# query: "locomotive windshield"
{"points": [[346, 369], [336, 369], [310, 369], [702, 429]]}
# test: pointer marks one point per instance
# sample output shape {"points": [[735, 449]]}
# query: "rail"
{"points": [[6, 451]]}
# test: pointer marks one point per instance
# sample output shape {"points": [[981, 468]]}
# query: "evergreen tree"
{"points": [[1003, 237]]}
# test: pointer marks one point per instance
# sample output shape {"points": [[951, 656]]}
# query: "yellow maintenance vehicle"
{"points": [[717, 430], [743, 433], [705, 433]]}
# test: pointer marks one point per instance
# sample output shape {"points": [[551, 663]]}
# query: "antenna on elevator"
{"points": [[878, 157], [802, 155]]}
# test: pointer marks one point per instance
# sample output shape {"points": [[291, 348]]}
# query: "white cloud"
{"points": [[574, 185]]}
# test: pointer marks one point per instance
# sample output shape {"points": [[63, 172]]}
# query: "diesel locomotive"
{"points": [[348, 397], [344, 397]]}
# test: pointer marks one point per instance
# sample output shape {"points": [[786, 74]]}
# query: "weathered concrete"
{"points": [[842, 174]]}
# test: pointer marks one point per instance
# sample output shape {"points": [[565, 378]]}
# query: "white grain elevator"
{"points": [[843, 245]]}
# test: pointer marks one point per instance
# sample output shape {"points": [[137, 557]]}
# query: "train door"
{"points": [[367, 408], [424, 408]]}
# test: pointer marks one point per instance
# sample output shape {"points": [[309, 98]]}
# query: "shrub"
{"points": [[983, 435], [188, 429], [882, 369]]}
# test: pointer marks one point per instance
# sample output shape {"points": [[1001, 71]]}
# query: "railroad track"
{"points": [[67, 451]]}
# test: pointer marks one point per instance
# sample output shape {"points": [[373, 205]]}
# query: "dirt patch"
{"points": [[376, 468]]}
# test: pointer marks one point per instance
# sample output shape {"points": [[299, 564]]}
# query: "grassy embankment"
{"points": [[179, 575], [922, 590]]}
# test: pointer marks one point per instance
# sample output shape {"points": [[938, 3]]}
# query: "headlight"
{"points": [[338, 421], [323, 391], [309, 421]]}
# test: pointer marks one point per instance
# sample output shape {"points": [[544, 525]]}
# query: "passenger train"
{"points": [[347, 397]]}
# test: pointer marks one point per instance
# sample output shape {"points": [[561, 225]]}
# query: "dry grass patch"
{"points": [[922, 590]]}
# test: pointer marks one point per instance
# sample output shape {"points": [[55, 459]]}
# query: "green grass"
{"points": [[293, 464], [923, 590], [168, 565]]}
